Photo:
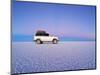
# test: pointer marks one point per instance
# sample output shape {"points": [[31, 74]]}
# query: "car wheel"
{"points": [[55, 41], [38, 41]]}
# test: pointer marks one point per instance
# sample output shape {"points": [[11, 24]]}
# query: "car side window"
{"points": [[41, 34], [46, 34]]}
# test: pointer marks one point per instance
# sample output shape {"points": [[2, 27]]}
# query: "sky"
{"points": [[68, 22]]}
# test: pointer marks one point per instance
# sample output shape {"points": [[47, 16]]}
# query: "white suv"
{"points": [[42, 36]]}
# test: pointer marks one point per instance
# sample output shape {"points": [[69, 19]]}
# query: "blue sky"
{"points": [[68, 22]]}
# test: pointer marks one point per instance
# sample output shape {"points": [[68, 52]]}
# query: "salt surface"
{"points": [[30, 57]]}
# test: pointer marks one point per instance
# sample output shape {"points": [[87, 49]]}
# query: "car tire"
{"points": [[38, 41], [55, 41]]}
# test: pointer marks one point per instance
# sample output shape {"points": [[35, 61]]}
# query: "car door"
{"points": [[46, 37]]}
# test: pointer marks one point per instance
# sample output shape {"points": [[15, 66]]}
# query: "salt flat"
{"points": [[30, 57]]}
